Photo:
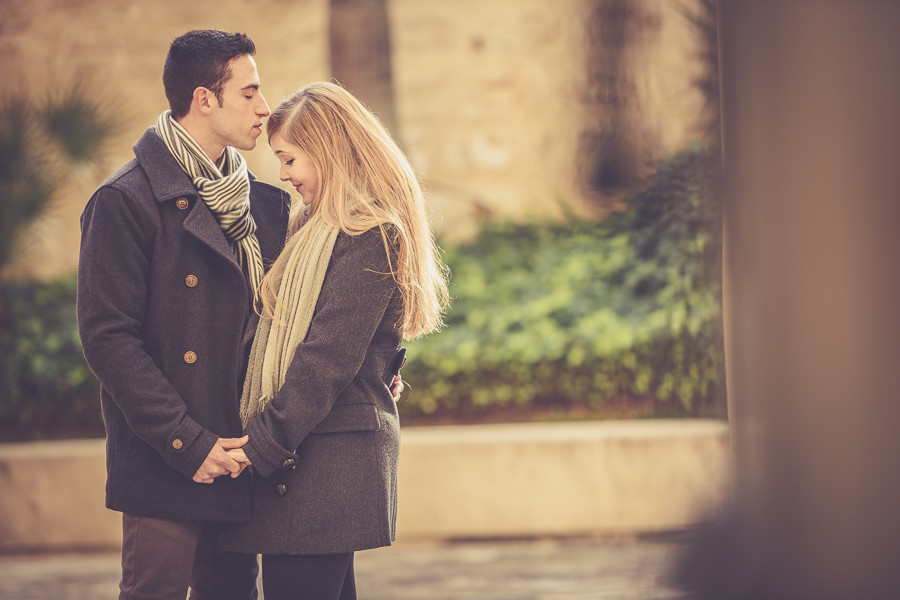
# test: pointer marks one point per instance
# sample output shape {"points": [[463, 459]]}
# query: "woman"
{"points": [[359, 272]]}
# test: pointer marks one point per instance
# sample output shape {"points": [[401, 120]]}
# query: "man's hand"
{"points": [[218, 462], [238, 455], [396, 387]]}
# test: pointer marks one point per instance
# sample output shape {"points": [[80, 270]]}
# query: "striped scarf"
{"points": [[298, 281], [225, 188]]}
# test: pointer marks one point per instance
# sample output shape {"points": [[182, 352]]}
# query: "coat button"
{"points": [[191, 280], [182, 203], [289, 463], [281, 489], [177, 444], [190, 357]]}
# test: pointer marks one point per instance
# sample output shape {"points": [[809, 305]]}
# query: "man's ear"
{"points": [[204, 100]]}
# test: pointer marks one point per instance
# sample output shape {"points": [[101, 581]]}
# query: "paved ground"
{"points": [[623, 569]]}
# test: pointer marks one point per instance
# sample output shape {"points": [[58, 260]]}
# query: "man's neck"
{"points": [[200, 134]]}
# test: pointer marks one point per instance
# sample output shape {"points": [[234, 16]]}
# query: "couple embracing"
{"points": [[249, 351]]}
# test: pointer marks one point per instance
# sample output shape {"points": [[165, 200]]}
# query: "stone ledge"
{"points": [[475, 481]]}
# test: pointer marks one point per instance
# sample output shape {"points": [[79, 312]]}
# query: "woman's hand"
{"points": [[397, 388], [241, 459]]}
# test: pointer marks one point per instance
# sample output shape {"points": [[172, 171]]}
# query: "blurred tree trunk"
{"points": [[360, 43], [612, 158]]}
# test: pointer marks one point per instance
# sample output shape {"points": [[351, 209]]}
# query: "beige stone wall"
{"points": [[492, 98], [490, 94], [512, 480], [487, 98]]}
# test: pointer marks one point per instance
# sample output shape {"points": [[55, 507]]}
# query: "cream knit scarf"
{"points": [[224, 187], [298, 282]]}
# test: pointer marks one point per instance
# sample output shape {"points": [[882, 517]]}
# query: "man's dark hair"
{"points": [[200, 59]]}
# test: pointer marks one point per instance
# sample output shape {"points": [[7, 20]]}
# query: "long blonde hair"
{"points": [[365, 181]]}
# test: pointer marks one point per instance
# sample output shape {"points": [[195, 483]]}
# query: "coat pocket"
{"points": [[349, 417], [394, 368]]}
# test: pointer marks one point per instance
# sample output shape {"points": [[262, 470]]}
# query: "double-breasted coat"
{"points": [[162, 311], [325, 449]]}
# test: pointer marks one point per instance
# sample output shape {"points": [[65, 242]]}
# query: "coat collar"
{"points": [[168, 181]]}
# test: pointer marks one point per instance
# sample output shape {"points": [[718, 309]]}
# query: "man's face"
{"points": [[237, 120]]}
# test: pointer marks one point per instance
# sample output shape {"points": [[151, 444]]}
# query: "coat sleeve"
{"points": [[355, 295], [113, 271]]}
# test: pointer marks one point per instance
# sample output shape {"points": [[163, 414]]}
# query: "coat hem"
{"points": [[118, 504], [299, 551]]}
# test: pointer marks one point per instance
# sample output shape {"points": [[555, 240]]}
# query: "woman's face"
{"points": [[296, 167]]}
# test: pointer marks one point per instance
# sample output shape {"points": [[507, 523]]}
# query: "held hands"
{"points": [[227, 458], [221, 461], [238, 455]]}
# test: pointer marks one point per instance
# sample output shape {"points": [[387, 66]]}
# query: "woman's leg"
{"points": [[308, 576], [221, 575], [348, 591]]}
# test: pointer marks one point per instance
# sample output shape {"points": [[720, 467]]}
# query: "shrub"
{"points": [[46, 388], [56, 135], [580, 312]]}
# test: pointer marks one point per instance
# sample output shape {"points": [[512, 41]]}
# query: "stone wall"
{"points": [[493, 99], [518, 480]]}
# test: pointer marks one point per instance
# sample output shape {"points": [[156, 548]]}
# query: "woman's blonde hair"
{"points": [[365, 181]]}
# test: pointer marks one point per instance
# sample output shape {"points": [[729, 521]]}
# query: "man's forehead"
{"points": [[243, 72]]}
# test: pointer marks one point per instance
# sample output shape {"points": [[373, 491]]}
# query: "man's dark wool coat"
{"points": [[162, 310]]}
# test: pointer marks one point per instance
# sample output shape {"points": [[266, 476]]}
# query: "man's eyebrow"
{"points": [[254, 86]]}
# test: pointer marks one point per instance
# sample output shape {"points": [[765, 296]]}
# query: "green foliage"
{"points": [[44, 383], [579, 312], [40, 143], [46, 389], [77, 124]]}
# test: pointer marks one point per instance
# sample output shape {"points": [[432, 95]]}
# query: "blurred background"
{"points": [[570, 156], [568, 152]]}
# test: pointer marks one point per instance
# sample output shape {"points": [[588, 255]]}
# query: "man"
{"points": [[169, 252], [173, 247]]}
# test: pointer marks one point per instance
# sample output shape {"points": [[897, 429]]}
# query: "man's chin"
{"points": [[246, 146]]}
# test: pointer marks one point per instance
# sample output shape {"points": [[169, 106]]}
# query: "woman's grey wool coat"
{"points": [[162, 311], [325, 449]]}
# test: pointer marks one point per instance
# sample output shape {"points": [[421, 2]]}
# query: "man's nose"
{"points": [[263, 109]]}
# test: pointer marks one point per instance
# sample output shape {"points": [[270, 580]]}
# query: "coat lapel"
{"points": [[202, 224], [169, 182]]}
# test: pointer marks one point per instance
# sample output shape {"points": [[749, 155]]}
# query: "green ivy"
{"points": [[579, 312], [46, 388]]}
